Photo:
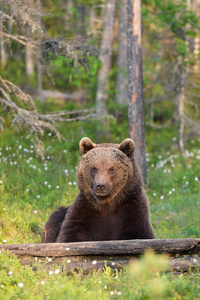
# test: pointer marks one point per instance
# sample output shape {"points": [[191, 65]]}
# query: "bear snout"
{"points": [[100, 188]]}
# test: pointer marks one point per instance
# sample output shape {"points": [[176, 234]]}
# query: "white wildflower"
{"points": [[119, 293]]}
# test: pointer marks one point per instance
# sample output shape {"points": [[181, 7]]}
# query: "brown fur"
{"points": [[112, 203]]}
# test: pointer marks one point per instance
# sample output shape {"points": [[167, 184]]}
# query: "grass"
{"points": [[31, 189]]}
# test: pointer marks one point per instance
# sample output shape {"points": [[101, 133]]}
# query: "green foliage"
{"points": [[69, 76]]}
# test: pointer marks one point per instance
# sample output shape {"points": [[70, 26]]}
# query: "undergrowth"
{"points": [[31, 189]]}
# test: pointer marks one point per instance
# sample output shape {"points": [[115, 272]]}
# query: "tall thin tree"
{"points": [[105, 57], [121, 82], [135, 83]]}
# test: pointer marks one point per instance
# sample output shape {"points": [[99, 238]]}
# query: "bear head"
{"points": [[105, 171]]}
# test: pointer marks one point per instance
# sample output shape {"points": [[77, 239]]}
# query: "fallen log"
{"points": [[184, 254], [78, 97]]}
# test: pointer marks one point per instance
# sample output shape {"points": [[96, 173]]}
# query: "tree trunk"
{"points": [[29, 51], [181, 98], [2, 45], [135, 84], [121, 83], [105, 58], [194, 5], [39, 64], [29, 59]]}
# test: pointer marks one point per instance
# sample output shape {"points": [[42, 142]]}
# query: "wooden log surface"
{"points": [[184, 253], [123, 247]]}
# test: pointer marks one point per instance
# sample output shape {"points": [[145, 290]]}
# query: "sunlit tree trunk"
{"points": [[121, 83], [135, 83], [29, 51], [39, 64], [2, 45], [181, 99], [105, 58], [194, 5], [29, 59]]}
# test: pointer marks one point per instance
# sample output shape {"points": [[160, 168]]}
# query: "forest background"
{"points": [[52, 57]]}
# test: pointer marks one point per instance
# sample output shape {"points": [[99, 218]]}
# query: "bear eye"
{"points": [[94, 171], [111, 171]]}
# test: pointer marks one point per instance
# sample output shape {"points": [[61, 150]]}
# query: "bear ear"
{"points": [[86, 145], [127, 147]]}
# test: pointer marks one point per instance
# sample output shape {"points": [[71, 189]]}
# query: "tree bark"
{"points": [[39, 64], [135, 83], [29, 50], [2, 45], [29, 59], [105, 58], [181, 99], [184, 253], [121, 83], [194, 5], [173, 247]]}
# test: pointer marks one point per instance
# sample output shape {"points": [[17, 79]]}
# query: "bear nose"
{"points": [[100, 186]]}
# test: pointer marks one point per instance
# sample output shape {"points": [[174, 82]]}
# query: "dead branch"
{"points": [[26, 113], [193, 104], [18, 38], [156, 126], [193, 95], [192, 123], [161, 99], [160, 75]]}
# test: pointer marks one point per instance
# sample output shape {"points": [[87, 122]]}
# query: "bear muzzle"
{"points": [[101, 189]]}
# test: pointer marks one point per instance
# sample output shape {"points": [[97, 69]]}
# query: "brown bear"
{"points": [[112, 203]]}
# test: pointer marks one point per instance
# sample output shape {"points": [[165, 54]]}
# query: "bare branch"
{"points": [[23, 99], [30, 117], [156, 126], [193, 104], [193, 95], [160, 75]]}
